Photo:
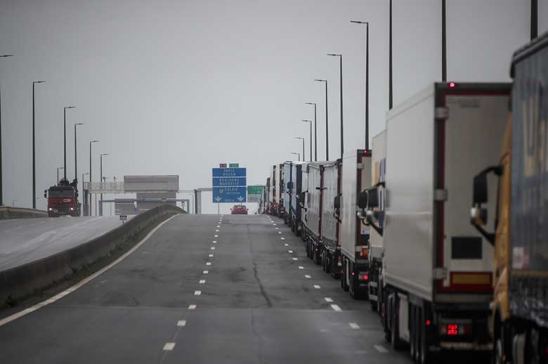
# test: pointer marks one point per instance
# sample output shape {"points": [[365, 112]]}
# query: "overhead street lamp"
{"points": [[101, 180], [341, 95], [301, 138], [76, 153], [34, 83], [315, 132], [90, 170], [326, 121], [366, 79], [298, 155], [1, 178], [65, 138], [310, 140]]}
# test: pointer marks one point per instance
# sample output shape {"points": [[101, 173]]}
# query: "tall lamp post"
{"points": [[65, 138], [76, 153], [101, 175], [326, 121], [298, 155], [341, 95], [315, 132], [1, 178], [34, 83], [301, 138], [90, 172], [58, 168], [310, 140], [366, 79]]}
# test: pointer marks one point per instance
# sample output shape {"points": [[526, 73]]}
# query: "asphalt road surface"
{"points": [[205, 289], [26, 240]]}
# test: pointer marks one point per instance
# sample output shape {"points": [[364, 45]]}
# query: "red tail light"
{"points": [[363, 276], [452, 330]]}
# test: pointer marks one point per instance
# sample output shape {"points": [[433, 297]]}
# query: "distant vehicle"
{"points": [[238, 210], [63, 199], [518, 205]]}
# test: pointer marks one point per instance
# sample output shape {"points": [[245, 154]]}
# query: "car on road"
{"points": [[238, 210]]}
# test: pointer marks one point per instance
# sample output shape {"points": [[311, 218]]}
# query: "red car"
{"points": [[238, 210]]}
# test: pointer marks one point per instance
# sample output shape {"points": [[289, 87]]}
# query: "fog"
{"points": [[177, 87]]}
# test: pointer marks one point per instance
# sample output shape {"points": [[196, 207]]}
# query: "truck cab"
{"points": [[62, 200]]}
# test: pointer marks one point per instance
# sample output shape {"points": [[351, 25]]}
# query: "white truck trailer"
{"points": [[354, 234], [329, 243], [312, 225], [437, 268]]}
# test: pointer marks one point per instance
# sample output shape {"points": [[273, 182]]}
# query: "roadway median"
{"points": [[20, 213], [46, 276]]}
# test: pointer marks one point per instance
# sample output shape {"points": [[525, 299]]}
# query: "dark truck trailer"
{"points": [[312, 224], [437, 269], [329, 242], [293, 198], [520, 235], [354, 235]]}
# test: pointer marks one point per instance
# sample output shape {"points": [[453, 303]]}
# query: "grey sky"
{"points": [[175, 87]]}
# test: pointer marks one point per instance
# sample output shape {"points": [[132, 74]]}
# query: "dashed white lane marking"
{"points": [[301, 267], [181, 323], [216, 230], [197, 293], [354, 325], [218, 226], [214, 241], [208, 263], [202, 281], [328, 299], [290, 251], [169, 346], [282, 238], [60, 295], [336, 308], [192, 307], [295, 258], [210, 255], [279, 232], [307, 276], [317, 286], [274, 224], [205, 272], [215, 236], [286, 244], [212, 248], [380, 349], [276, 228]]}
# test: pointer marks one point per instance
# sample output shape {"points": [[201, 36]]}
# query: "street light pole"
{"points": [[315, 132], [326, 121], [301, 138], [90, 171], [341, 96], [1, 177], [34, 145], [310, 140], [298, 155], [76, 153], [366, 80], [101, 180], [58, 168], [65, 138]]}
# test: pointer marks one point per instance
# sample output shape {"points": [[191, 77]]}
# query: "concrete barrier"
{"points": [[20, 213], [33, 278]]}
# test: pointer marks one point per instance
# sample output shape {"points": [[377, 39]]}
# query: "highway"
{"points": [[26, 240], [205, 289]]}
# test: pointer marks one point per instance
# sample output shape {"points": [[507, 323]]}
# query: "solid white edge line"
{"points": [[380, 348], [73, 288]]}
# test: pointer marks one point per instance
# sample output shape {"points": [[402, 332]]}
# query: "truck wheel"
{"points": [[425, 355], [328, 259], [394, 327]]}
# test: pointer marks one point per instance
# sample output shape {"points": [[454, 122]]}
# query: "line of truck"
{"points": [[442, 226]]}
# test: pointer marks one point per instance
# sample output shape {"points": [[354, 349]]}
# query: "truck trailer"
{"points": [[519, 315], [63, 199], [329, 242], [354, 234], [437, 268], [312, 225]]}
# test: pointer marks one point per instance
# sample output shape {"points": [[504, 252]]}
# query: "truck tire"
{"points": [[344, 285], [397, 344], [425, 355]]}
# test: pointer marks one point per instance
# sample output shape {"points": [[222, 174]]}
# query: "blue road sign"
{"points": [[229, 194], [229, 181], [228, 172]]}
